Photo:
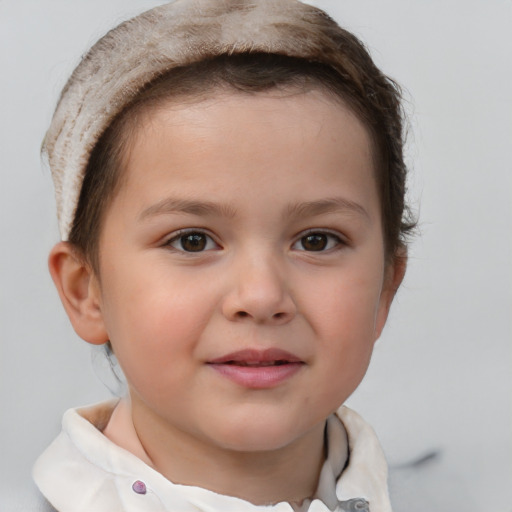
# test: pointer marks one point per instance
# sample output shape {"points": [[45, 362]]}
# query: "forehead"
{"points": [[315, 116], [282, 135]]}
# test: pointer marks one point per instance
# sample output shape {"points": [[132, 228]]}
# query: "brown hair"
{"points": [[373, 97]]}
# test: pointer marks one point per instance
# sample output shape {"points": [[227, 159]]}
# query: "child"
{"points": [[230, 192]]}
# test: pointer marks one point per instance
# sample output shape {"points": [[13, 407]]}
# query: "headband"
{"points": [[139, 50]]}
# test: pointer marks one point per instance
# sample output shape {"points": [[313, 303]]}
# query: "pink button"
{"points": [[139, 487]]}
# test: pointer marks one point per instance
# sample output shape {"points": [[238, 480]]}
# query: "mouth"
{"points": [[257, 358], [257, 364], [257, 369]]}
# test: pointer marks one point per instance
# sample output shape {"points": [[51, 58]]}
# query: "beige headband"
{"points": [[176, 34]]}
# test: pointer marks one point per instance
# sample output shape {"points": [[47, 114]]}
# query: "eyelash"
{"points": [[332, 241], [182, 234]]}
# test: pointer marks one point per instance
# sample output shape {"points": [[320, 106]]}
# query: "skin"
{"points": [[263, 172]]}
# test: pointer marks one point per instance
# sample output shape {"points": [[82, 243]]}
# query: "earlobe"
{"points": [[393, 279], [79, 292]]}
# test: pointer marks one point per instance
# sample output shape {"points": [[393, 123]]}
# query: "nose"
{"points": [[259, 294]]}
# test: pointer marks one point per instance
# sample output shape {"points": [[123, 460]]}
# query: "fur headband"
{"points": [[133, 54]]}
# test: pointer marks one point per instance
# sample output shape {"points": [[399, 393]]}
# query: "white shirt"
{"points": [[83, 471]]}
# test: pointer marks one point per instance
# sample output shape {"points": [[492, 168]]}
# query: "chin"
{"points": [[259, 433], [257, 442]]}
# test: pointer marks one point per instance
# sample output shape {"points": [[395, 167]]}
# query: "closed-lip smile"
{"points": [[256, 368]]}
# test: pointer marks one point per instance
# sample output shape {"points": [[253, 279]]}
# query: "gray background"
{"points": [[440, 380]]}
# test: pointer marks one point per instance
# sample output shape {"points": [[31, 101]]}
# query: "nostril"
{"points": [[277, 316], [242, 314]]}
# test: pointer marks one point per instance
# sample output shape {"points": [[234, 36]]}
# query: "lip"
{"points": [[257, 369]]}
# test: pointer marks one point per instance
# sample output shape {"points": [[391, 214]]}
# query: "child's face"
{"points": [[247, 231]]}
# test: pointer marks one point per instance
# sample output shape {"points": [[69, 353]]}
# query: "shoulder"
{"points": [[83, 471], [366, 473]]}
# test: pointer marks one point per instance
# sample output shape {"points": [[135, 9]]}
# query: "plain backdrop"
{"points": [[440, 381]]}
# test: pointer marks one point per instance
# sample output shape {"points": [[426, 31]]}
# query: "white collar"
{"points": [[83, 471]]}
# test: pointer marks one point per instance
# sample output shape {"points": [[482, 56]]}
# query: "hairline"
{"points": [[128, 122]]}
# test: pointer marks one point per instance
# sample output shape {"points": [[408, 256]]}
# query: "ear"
{"points": [[79, 292], [393, 277]]}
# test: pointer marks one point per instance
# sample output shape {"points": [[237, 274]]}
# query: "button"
{"points": [[139, 487], [357, 505]]}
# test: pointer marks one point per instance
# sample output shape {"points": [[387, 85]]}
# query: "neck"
{"points": [[258, 477]]}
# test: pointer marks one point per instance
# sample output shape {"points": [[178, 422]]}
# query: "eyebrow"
{"points": [[205, 208], [323, 206], [173, 205]]}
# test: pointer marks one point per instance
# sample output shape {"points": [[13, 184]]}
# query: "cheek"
{"points": [[155, 325], [344, 305], [344, 323], [151, 299]]}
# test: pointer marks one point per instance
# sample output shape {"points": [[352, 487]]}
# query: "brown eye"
{"points": [[193, 241], [317, 242], [314, 242]]}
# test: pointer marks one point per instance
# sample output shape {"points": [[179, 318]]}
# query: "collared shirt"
{"points": [[83, 471]]}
